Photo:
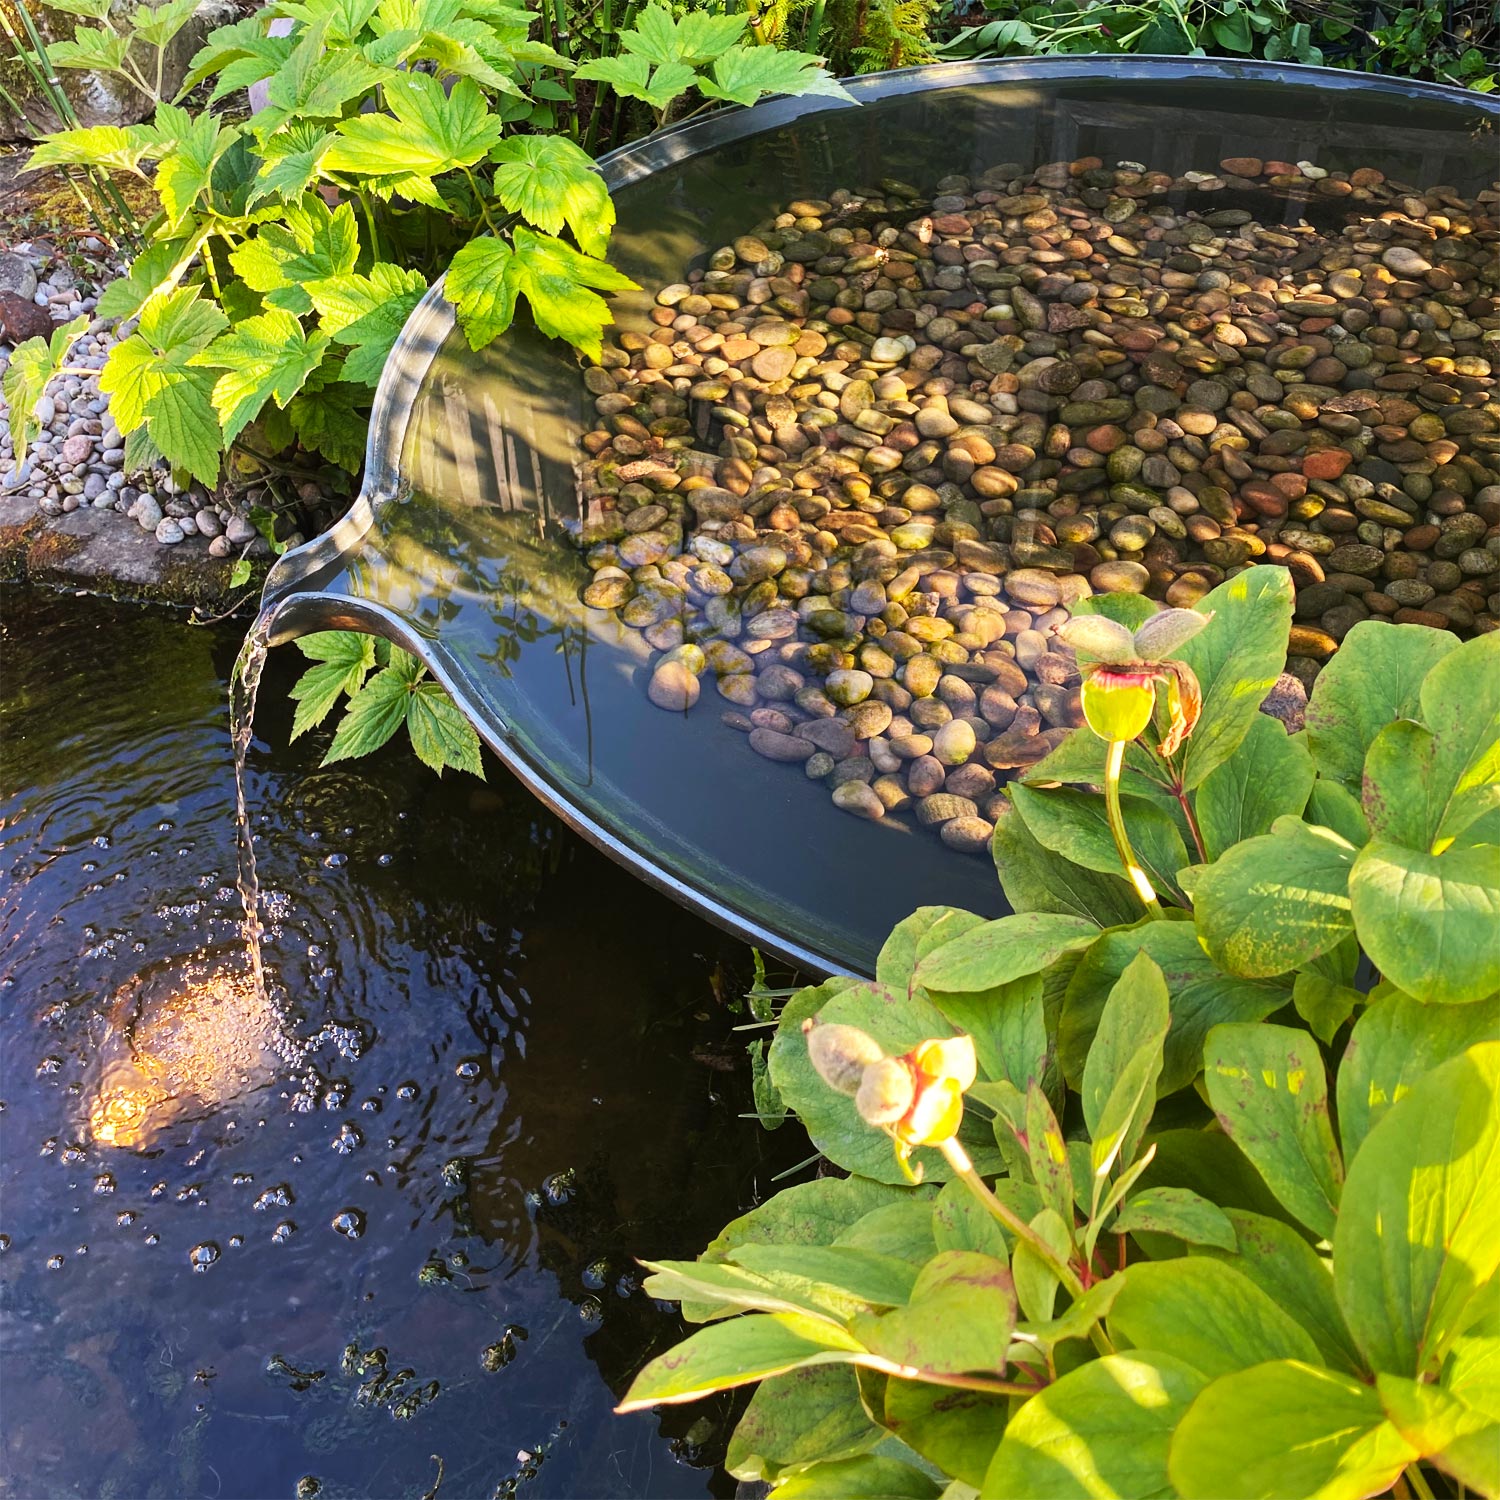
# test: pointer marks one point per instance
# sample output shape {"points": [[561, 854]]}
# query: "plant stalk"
{"points": [[1418, 1481], [1113, 765]]}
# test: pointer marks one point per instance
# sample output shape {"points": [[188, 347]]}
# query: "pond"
{"points": [[392, 1222]]}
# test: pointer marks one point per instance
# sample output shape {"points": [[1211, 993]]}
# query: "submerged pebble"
{"points": [[858, 466]]}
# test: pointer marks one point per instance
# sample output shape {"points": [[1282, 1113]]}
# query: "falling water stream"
{"points": [[244, 687]]}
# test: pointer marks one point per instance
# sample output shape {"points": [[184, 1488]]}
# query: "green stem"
{"points": [[1418, 1481], [1113, 765], [956, 1382], [479, 199], [963, 1168]]}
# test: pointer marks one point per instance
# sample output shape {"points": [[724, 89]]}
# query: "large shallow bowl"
{"points": [[455, 549]]}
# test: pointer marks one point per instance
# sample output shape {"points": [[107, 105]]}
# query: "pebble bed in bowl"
{"points": [[870, 454]]}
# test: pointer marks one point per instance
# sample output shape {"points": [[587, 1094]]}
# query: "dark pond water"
{"points": [[501, 1065]]}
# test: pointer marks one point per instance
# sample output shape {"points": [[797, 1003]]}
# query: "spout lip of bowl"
{"points": [[297, 612]]}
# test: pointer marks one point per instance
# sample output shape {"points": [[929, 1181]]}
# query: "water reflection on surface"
{"points": [[394, 1215]]}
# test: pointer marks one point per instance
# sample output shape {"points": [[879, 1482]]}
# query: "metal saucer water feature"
{"points": [[456, 549]]}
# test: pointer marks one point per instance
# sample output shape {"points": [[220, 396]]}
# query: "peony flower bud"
{"points": [[1118, 703], [1166, 633], [1099, 637], [840, 1054], [886, 1092], [952, 1057]]}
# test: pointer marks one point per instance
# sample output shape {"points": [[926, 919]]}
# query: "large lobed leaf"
{"points": [[488, 276]]}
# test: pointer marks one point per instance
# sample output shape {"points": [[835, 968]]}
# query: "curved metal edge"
{"points": [[433, 318], [300, 613]]}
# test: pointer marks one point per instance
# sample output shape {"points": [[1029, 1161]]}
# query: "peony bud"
{"points": [[1097, 636], [1164, 634], [886, 1092], [1118, 704], [840, 1054], [952, 1058]]}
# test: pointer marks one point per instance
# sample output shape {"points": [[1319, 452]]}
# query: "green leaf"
{"points": [[770, 1108], [800, 1418], [697, 38], [1036, 1282], [1335, 807], [1430, 922], [184, 173], [263, 358], [1374, 679], [1201, 996], [1119, 1078], [1209, 1163], [896, 964], [961, 1222], [954, 1429], [431, 132], [1461, 706], [440, 734], [311, 244], [1205, 1313], [344, 658], [1294, 1276], [1268, 777], [551, 182], [1101, 1430], [1394, 1043], [897, 1022], [1035, 880], [1008, 1025], [290, 172], [374, 336], [1461, 1439], [1076, 825], [487, 275], [1233, 33], [1237, 658], [1267, 1086], [635, 78], [1323, 1003], [1047, 1154], [997, 952], [960, 1318], [811, 1213], [158, 24], [92, 48], [1180, 1213], [1276, 901], [316, 83], [724, 1355], [328, 418], [1286, 1428], [868, 1477], [116, 148], [742, 74], [374, 714], [1418, 1237], [33, 364], [901, 1230], [156, 269]]}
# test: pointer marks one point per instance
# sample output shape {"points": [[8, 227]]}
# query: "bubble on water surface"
{"points": [[104, 1183], [283, 1232], [349, 1222], [54, 1262], [280, 1196], [347, 1139], [201, 1257]]}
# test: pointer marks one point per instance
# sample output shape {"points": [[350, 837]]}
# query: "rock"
{"points": [[146, 513], [969, 835], [239, 530], [1405, 261], [17, 276], [782, 747], [76, 449], [168, 531], [22, 319], [673, 687], [858, 798]]}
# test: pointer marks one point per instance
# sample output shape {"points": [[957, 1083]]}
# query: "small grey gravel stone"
{"points": [[168, 531]]}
